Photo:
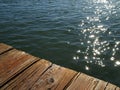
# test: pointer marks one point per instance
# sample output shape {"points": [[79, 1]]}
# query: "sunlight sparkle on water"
{"points": [[92, 19], [112, 58], [100, 26], [75, 57], [87, 68], [95, 36], [97, 52], [86, 57], [117, 42], [88, 42], [78, 51], [117, 63], [100, 1], [107, 18], [91, 36], [69, 30]]}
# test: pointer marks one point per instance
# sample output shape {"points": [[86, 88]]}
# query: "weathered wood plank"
{"points": [[83, 82], [110, 87], [66, 78], [101, 85], [55, 78], [4, 48], [26, 79], [19, 70], [117, 88], [12, 63]]}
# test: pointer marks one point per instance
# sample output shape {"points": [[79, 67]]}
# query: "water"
{"points": [[83, 35]]}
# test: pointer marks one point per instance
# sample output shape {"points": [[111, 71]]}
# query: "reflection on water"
{"points": [[94, 36], [80, 34]]}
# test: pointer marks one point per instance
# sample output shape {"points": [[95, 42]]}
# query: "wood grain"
{"points": [[110, 87], [4, 48], [26, 79], [55, 78], [12, 63], [22, 71], [117, 88], [83, 82], [101, 85]]}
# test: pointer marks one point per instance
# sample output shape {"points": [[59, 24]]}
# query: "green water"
{"points": [[83, 35]]}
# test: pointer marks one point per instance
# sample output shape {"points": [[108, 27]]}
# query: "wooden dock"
{"points": [[22, 71]]}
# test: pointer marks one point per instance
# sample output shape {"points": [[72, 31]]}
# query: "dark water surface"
{"points": [[80, 34]]}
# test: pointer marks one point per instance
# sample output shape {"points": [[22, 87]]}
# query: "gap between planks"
{"points": [[50, 77], [4, 48], [13, 62]]}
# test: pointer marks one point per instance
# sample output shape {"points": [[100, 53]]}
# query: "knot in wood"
{"points": [[51, 80]]}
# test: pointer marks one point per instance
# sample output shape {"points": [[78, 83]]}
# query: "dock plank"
{"points": [[12, 63], [22, 71], [110, 87], [117, 88], [4, 48], [101, 85], [25, 80], [55, 78], [83, 82]]}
